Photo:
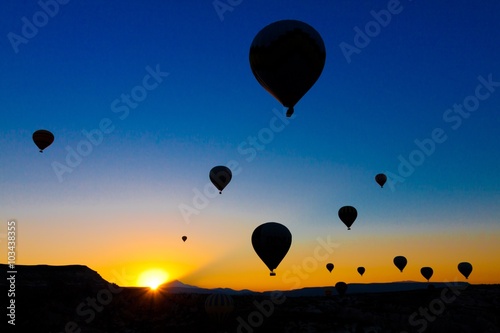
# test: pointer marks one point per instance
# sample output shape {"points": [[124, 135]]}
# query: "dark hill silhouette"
{"points": [[77, 276]]}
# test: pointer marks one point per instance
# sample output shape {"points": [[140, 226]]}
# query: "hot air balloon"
{"points": [[426, 272], [361, 270], [218, 306], [465, 268], [184, 238], [400, 262], [43, 139], [341, 288], [287, 58], [220, 176], [348, 214], [271, 241], [329, 267], [381, 179]]}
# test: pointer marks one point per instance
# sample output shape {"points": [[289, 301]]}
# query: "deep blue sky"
{"points": [[355, 122]]}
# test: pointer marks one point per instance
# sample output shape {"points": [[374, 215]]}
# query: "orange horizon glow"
{"points": [[223, 261]]}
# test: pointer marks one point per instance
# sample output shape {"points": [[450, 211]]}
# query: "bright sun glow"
{"points": [[152, 278]]}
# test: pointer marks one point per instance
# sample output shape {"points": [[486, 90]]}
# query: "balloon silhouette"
{"points": [[218, 306], [341, 288], [329, 267], [184, 238], [381, 179], [400, 262], [43, 139], [465, 268], [361, 270], [287, 58], [271, 241], [348, 214], [426, 272], [220, 176]]}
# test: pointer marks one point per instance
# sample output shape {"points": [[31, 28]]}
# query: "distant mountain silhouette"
{"points": [[177, 287]]}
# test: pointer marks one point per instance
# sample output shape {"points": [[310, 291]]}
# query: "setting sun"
{"points": [[152, 278]]}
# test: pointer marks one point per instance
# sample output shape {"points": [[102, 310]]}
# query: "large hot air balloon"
{"points": [[400, 262], [329, 267], [381, 179], [465, 268], [220, 176], [287, 58], [341, 288], [184, 238], [43, 139], [426, 272], [361, 270], [218, 306], [271, 241], [348, 214]]}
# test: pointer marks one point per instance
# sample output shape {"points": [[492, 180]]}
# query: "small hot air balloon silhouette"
{"points": [[361, 270], [426, 272], [271, 241], [43, 139], [381, 179], [184, 238], [348, 215], [329, 267], [341, 288], [218, 306], [220, 176], [400, 262], [465, 268], [287, 58]]}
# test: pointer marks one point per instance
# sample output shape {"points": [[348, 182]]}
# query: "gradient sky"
{"points": [[119, 209]]}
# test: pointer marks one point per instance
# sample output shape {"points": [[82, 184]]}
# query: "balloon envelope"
{"points": [[381, 179], [329, 267], [341, 288], [465, 268], [43, 139], [218, 306], [348, 215], [361, 270], [184, 238], [220, 176], [287, 58], [400, 262], [426, 272], [271, 241]]}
